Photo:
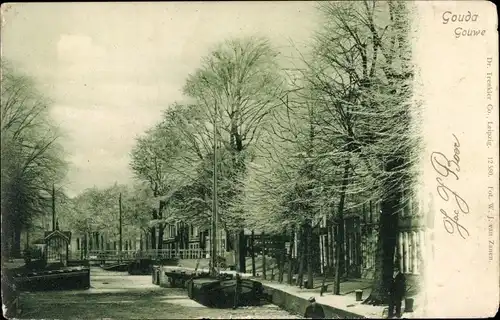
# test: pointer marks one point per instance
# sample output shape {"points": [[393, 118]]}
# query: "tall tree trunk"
{"points": [[326, 249], [242, 251], [302, 258], [179, 236], [16, 243], [332, 247], [238, 163], [153, 237], [282, 258], [316, 257], [161, 226], [6, 237], [252, 247], [359, 260], [347, 246], [309, 255], [97, 242], [264, 276], [290, 258], [153, 230], [340, 263], [140, 241], [386, 244], [84, 246], [161, 231], [82, 249], [90, 242], [336, 288], [384, 259]]}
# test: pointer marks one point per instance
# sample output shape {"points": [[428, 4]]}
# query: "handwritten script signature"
{"points": [[450, 168]]}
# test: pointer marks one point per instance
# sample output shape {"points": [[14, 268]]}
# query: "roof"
{"points": [[66, 235]]}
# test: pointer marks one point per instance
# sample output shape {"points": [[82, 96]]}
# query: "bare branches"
{"points": [[30, 156], [292, 149], [241, 77]]}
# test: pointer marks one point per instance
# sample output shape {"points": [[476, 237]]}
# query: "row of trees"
{"points": [[96, 212], [31, 159], [294, 144], [32, 173]]}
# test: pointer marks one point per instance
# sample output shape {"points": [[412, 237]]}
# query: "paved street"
{"points": [[117, 295]]}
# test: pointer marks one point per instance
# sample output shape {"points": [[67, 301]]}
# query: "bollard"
{"points": [[359, 295], [409, 305], [324, 288]]}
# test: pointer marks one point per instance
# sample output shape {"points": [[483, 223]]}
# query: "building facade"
{"points": [[361, 237]]}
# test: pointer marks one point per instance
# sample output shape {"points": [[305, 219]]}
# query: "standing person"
{"points": [[314, 310], [237, 291], [397, 292]]}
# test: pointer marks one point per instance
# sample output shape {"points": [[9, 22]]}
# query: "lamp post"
{"points": [[214, 204], [120, 230], [53, 207]]}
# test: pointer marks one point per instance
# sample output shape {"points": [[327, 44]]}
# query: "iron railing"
{"points": [[108, 255]]}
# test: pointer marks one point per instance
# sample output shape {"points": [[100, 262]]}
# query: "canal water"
{"points": [[117, 295]]}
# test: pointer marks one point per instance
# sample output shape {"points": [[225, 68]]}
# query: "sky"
{"points": [[110, 69]]}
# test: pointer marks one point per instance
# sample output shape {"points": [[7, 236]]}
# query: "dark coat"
{"points": [[398, 288], [315, 312], [239, 283]]}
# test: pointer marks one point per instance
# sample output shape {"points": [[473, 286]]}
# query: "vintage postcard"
{"points": [[267, 159]]}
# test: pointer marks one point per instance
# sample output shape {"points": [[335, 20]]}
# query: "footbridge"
{"points": [[107, 256]]}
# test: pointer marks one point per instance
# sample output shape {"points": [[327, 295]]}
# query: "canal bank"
{"points": [[294, 300], [118, 295], [344, 306], [290, 298]]}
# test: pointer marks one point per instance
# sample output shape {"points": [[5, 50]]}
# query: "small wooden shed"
{"points": [[57, 245]]}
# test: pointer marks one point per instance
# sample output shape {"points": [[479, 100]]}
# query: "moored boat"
{"points": [[220, 292], [178, 277], [60, 279], [115, 266]]}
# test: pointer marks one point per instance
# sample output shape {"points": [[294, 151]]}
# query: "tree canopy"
{"points": [[32, 160]]}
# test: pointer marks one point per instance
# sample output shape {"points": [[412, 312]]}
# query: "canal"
{"points": [[117, 295]]}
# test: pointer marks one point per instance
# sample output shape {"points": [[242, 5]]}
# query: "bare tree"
{"points": [[168, 158], [237, 84], [31, 158], [371, 40]]}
